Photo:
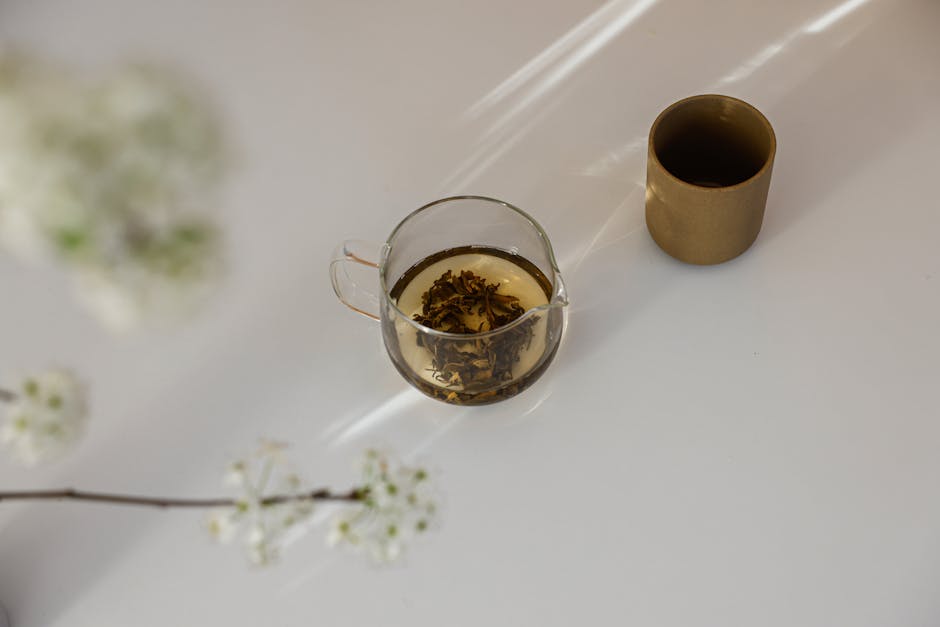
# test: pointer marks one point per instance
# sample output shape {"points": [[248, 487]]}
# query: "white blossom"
{"points": [[221, 525], [112, 178], [260, 524], [235, 475], [400, 504], [260, 546], [45, 417]]}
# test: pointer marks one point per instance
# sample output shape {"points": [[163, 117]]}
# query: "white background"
{"points": [[754, 443]]}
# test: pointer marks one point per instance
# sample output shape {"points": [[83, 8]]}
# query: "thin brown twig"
{"points": [[163, 503]]}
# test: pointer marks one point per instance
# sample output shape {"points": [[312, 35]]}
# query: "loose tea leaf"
{"points": [[465, 303]]}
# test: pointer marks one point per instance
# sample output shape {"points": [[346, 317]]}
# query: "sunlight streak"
{"points": [[487, 153], [436, 435], [831, 17], [397, 404], [575, 60], [761, 58], [613, 159], [536, 79], [543, 60], [304, 579], [577, 258], [815, 25]]}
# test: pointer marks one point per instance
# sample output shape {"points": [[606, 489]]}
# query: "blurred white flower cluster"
{"points": [[44, 417], [112, 177], [261, 525], [396, 503], [400, 503]]}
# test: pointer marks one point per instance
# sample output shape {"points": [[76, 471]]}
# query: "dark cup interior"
{"points": [[712, 141]]}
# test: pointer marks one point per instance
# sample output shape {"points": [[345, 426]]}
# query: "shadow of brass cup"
{"points": [[707, 175]]}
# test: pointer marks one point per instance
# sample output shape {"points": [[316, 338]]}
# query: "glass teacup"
{"points": [[471, 303]]}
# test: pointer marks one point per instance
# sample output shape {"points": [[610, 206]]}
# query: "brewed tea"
{"points": [[472, 291]]}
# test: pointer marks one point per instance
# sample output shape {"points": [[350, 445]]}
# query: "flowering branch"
{"points": [[164, 503], [392, 504]]}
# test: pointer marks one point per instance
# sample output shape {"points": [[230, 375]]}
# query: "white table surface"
{"points": [[754, 443]]}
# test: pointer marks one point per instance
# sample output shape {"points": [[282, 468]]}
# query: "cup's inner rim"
{"points": [[704, 99]]}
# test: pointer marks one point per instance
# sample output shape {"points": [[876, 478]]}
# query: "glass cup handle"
{"points": [[348, 291]]}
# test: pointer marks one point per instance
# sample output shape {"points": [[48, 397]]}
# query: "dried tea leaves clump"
{"points": [[465, 303]]}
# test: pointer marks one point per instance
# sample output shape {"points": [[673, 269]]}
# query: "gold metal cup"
{"points": [[707, 175]]}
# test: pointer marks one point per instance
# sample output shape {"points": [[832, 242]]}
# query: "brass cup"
{"points": [[707, 175]]}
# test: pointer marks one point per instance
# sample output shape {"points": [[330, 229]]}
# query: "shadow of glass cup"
{"points": [[496, 241]]}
